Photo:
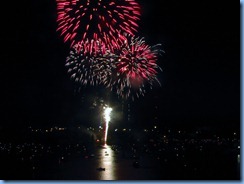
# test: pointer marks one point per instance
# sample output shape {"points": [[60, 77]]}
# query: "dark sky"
{"points": [[200, 81]]}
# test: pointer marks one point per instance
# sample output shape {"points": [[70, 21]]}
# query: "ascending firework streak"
{"points": [[107, 112]]}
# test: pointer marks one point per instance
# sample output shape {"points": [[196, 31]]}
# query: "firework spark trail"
{"points": [[128, 69], [134, 67], [104, 49], [103, 20], [107, 112], [87, 63]]}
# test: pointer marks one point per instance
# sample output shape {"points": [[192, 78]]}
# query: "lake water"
{"points": [[108, 163]]}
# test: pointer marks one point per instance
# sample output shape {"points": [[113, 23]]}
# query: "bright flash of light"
{"points": [[107, 113]]}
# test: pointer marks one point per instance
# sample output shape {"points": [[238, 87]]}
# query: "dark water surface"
{"points": [[122, 165], [116, 168]]}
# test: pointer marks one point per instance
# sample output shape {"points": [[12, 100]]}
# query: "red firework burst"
{"points": [[135, 66], [96, 19]]}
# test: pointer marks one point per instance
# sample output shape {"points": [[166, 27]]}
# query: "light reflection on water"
{"points": [[107, 161]]}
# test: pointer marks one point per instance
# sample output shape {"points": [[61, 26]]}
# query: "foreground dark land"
{"points": [[152, 156]]}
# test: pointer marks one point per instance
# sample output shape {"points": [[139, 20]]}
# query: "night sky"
{"points": [[200, 78]]}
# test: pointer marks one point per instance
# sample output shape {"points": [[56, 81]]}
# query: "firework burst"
{"points": [[86, 63], [96, 19], [134, 67]]}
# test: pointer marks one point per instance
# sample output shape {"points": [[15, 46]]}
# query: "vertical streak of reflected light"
{"points": [[107, 162]]}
